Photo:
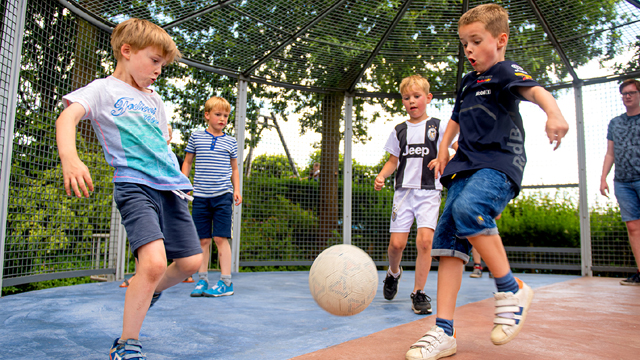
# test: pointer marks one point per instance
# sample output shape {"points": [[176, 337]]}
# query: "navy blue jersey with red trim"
{"points": [[491, 131]]}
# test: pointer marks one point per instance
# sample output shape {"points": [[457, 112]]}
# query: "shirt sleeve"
{"points": [[191, 146], [88, 96], [393, 145], [234, 149], [515, 76]]}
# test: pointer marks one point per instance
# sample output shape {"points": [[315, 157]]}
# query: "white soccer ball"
{"points": [[343, 280]]}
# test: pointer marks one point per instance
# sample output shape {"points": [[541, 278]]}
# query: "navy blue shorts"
{"points": [[216, 211], [149, 214], [472, 204]]}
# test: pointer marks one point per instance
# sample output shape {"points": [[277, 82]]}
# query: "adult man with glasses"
{"points": [[623, 148]]}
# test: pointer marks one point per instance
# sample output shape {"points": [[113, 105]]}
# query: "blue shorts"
{"points": [[217, 210], [473, 201], [627, 195], [149, 214]]}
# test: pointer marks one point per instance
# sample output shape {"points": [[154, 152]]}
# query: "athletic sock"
{"points": [[477, 266], [446, 325], [203, 276], [507, 283], [395, 275], [226, 279]]}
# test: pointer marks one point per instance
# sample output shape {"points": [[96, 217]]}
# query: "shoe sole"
{"points": [[225, 294], [629, 284], [475, 276], [448, 352], [197, 294], [521, 324], [421, 312]]}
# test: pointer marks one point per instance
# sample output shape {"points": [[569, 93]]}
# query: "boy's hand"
{"points": [[556, 128], [438, 164], [604, 187], [379, 182], [237, 198], [77, 177]]}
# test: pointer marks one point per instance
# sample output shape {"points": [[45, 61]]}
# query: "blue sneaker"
{"points": [[155, 298], [130, 349], [221, 289], [201, 286]]}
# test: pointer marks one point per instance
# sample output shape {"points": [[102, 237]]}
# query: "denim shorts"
{"points": [[149, 214], [473, 201], [627, 194], [216, 211]]}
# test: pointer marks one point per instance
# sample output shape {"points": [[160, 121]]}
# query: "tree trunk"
{"points": [[328, 212]]}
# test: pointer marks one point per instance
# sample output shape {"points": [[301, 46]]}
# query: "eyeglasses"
{"points": [[630, 93]]}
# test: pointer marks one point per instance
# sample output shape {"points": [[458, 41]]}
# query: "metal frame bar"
{"points": [[347, 181], [88, 16], [240, 123], [552, 38], [57, 275], [381, 43], [12, 98], [195, 14], [298, 34], [461, 55], [635, 3]]}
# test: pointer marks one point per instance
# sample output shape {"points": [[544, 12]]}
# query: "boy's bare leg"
{"points": [[224, 254], [633, 229], [424, 241], [152, 264], [492, 251], [449, 280], [178, 271], [205, 244], [397, 243]]}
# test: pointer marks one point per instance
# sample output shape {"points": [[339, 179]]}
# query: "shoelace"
{"points": [[182, 195], [422, 297]]}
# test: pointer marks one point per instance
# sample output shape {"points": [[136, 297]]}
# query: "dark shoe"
{"points": [[420, 303], [155, 298], [131, 349], [632, 280], [390, 288]]}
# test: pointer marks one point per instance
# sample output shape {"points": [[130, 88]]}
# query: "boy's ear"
{"points": [[429, 97], [125, 50], [206, 116], [502, 40]]}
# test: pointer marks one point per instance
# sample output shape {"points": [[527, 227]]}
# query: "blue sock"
{"points": [[446, 325], [507, 283]]}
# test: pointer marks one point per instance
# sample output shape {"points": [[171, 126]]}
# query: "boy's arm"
{"points": [[557, 126], [388, 169], [606, 167], [235, 181], [438, 164], [186, 164], [75, 173]]}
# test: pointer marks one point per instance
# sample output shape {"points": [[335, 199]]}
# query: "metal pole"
{"points": [[347, 188], [11, 49], [284, 144], [241, 119], [585, 229]]}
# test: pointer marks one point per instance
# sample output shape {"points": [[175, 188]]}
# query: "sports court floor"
{"points": [[272, 316]]}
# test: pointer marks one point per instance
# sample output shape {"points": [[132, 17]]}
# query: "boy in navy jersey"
{"points": [[483, 176], [413, 147], [216, 187]]}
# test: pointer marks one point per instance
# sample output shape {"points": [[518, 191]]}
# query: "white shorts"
{"points": [[423, 205]]}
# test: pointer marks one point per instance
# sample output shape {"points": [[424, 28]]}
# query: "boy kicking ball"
{"points": [[483, 176]]}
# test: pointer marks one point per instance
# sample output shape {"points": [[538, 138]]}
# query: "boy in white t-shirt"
{"points": [[130, 122], [413, 145]]}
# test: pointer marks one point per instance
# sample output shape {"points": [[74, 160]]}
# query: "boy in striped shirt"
{"points": [[216, 188]]}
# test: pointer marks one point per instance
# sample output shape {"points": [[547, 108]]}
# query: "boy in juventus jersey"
{"points": [[412, 146]]}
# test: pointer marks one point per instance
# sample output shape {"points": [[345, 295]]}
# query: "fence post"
{"points": [[347, 178], [11, 47], [241, 119], [585, 226]]}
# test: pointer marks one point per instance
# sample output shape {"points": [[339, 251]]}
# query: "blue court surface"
{"points": [[271, 316]]}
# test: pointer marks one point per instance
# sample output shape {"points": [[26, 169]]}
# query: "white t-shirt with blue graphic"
{"points": [[131, 126], [213, 163]]}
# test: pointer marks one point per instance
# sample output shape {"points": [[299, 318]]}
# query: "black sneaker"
{"points": [[632, 280], [390, 288], [155, 298], [420, 303]]}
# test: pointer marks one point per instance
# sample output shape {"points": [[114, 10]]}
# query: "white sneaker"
{"points": [[511, 310], [435, 344]]}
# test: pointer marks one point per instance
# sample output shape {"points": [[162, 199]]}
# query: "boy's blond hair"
{"points": [[140, 34], [494, 17], [217, 103], [414, 80]]}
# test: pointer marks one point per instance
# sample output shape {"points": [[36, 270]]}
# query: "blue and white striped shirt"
{"points": [[213, 163]]}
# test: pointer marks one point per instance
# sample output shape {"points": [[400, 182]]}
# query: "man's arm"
{"points": [[556, 126], [606, 168], [75, 173], [235, 181], [388, 169]]}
